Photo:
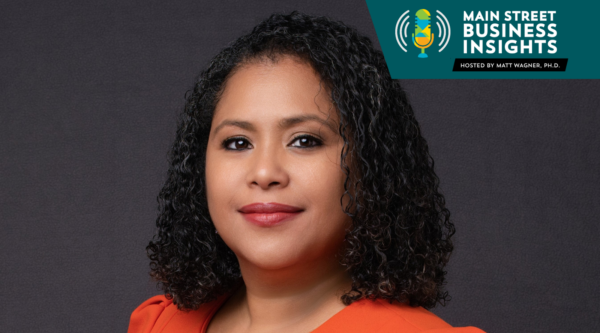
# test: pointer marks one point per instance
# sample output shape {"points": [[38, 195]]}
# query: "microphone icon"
{"points": [[424, 36]]}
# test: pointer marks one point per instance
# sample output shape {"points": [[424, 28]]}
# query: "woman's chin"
{"points": [[271, 257]]}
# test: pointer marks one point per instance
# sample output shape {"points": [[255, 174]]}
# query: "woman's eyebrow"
{"points": [[289, 122], [283, 124], [237, 123]]}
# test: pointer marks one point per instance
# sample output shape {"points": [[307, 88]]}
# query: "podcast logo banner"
{"points": [[473, 39]]}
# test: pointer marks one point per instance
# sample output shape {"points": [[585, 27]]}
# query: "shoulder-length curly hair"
{"points": [[399, 242]]}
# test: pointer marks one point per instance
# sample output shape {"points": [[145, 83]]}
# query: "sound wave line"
{"points": [[396, 32], [441, 29], [449, 30], [406, 28], [402, 25]]}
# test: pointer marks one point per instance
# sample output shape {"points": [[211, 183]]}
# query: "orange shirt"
{"points": [[159, 315]]}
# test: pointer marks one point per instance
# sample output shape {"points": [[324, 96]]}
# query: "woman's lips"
{"points": [[269, 214]]}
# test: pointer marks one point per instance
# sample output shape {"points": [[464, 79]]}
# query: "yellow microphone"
{"points": [[422, 38]]}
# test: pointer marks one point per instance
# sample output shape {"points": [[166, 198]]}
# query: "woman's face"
{"points": [[274, 139]]}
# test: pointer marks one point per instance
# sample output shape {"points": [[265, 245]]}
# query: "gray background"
{"points": [[89, 94]]}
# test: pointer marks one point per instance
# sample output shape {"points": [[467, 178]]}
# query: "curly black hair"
{"points": [[399, 242]]}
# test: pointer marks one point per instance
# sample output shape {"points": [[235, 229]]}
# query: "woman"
{"points": [[301, 196]]}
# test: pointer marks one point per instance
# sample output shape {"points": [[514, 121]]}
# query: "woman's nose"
{"points": [[267, 167]]}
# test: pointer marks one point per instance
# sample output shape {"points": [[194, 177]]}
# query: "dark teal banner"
{"points": [[488, 40]]}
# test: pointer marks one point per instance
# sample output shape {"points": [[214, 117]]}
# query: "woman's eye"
{"points": [[306, 141], [236, 144], [303, 141]]}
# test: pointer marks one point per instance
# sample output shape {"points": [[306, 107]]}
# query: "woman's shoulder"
{"points": [[159, 315], [380, 316], [422, 320], [144, 317]]}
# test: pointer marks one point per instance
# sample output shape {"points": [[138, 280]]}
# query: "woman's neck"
{"points": [[295, 298]]}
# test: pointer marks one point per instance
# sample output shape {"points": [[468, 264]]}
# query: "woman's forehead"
{"points": [[281, 74], [287, 88]]}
